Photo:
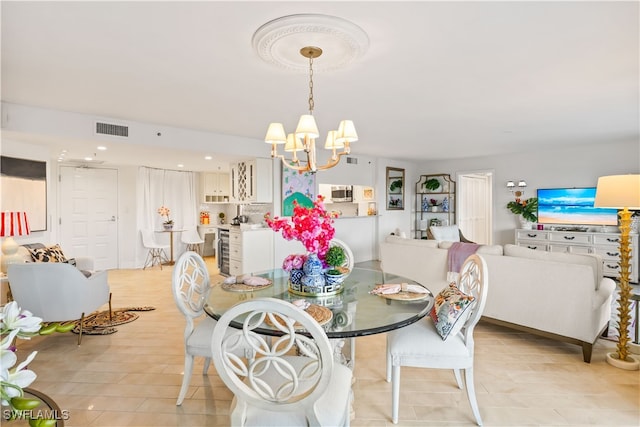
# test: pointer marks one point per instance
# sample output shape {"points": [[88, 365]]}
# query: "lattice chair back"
{"points": [[191, 286], [473, 281], [290, 376]]}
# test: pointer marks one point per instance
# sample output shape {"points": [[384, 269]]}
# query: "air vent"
{"points": [[352, 160], [112, 129]]}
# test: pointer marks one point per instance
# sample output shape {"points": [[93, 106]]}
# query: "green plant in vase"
{"points": [[528, 209], [335, 258]]}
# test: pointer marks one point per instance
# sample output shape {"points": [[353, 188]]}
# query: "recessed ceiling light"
{"points": [[101, 147], [180, 165], [208, 157], [88, 159]]}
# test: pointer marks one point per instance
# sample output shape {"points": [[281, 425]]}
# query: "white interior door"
{"points": [[474, 206], [88, 214]]}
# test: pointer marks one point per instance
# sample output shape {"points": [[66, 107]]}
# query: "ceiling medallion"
{"points": [[278, 42]]}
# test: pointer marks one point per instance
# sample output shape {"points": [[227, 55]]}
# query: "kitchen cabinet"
{"points": [[215, 187], [252, 181], [250, 251], [607, 245]]}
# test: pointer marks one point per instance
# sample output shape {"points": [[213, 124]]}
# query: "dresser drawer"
{"points": [[608, 253], [532, 235], [537, 246], [235, 237], [572, 238]]}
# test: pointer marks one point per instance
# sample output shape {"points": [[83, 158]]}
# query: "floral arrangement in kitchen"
{"points": [[164, 212], [313, 227], [16, 323]]}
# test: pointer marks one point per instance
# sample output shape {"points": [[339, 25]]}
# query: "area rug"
{"points": [[98, 323]]}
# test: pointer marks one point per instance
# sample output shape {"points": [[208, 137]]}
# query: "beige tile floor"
{"points": [[132, 377]]}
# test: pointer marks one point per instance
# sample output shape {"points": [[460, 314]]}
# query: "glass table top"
{"points": [[355, 311]]}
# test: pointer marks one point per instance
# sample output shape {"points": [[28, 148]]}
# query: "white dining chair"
{"points": [[191, 285], [156, 254], [293, 380], [420, 344], [192, 239]]}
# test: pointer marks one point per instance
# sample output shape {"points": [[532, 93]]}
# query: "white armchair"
{"points": [[56, 291]]}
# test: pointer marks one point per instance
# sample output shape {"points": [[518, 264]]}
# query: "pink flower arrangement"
{"points": [[313, 227], [293, 262]]}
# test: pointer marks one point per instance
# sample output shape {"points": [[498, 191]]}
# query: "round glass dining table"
{"points": [[355, 311]]}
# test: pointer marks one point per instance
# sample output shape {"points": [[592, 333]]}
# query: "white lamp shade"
{"points": [[618, 191], [293, 143], [510, 184], [13, 224], [331, 142], [346, 132], [275, 134], [307, 127]]}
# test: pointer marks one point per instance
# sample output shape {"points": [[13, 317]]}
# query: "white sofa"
{"points": [[560, 296]]}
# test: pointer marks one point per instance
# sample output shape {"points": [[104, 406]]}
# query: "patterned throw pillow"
{"points": [[50, 254], [450, 310]]}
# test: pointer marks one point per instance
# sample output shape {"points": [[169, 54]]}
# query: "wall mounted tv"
{"points": [[572, 206]]}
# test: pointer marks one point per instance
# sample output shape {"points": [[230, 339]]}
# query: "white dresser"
{"points": [[250, 251], [607, 245]]}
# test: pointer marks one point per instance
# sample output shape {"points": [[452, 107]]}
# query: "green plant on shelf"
{"points": [[431, 184], [396, 185]]}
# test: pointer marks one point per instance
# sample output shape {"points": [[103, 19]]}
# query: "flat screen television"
{"points": [[572, 206]]}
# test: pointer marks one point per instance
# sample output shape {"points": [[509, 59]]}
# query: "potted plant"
{"points": [[334, 258], [164, 212], [526, 209], [431, 184]]}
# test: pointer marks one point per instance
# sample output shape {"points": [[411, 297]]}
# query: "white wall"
{"points": [[578, 166]]}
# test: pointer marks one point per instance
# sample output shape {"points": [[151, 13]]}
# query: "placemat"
{"points": [[406, 296], [241, 287], [320, 314]]}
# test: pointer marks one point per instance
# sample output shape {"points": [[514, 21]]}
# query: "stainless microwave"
{"points": [[342, 193]]}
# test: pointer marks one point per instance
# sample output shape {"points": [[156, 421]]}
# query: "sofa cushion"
{"points": [[51, 254], [592, 260], [450, 310], [449, 233]]}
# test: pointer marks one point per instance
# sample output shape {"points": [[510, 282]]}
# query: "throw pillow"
{"points": [[448, 233], [450, 310], [50, 254]]}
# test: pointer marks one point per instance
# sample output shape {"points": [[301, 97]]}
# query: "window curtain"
{"points": [[177, 191]]}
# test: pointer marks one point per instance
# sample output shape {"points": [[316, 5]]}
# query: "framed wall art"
{"points": [[298, 186], [24, 189]]}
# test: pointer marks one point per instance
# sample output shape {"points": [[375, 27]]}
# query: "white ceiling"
{"points": [[439, 80]]}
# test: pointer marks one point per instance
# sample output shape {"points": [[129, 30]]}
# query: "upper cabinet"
{"points": [[215, 187], [252, 181]]}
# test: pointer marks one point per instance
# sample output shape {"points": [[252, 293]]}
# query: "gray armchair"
{"points": [[57, 292]]}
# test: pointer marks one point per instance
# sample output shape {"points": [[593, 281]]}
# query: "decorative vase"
{"points": [[296, 275], [445, 205], [434, 209], [168, 227], [312, 266], [525, 224]]}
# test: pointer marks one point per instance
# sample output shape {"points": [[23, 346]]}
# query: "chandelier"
{"points": [[303, 139]]}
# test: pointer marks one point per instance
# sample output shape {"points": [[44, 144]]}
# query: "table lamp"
{"points": [[621, 192], [12, 224]]}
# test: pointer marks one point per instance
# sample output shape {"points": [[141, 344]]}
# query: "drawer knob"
{"points": [[531, 235], [532, 247], [613, 253], [615, 267], [612, 240], [569, 237]]}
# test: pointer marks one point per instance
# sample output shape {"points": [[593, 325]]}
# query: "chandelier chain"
{"points": [[311, 103]]}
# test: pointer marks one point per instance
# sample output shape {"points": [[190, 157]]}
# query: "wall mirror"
{"points": [[395, 188]]}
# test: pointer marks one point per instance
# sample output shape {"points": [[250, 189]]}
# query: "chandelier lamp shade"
{"points": [[12, 224], [306, 133], [621, 192]]}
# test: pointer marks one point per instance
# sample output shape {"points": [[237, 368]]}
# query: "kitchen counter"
{"points": [[243, 227]]}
